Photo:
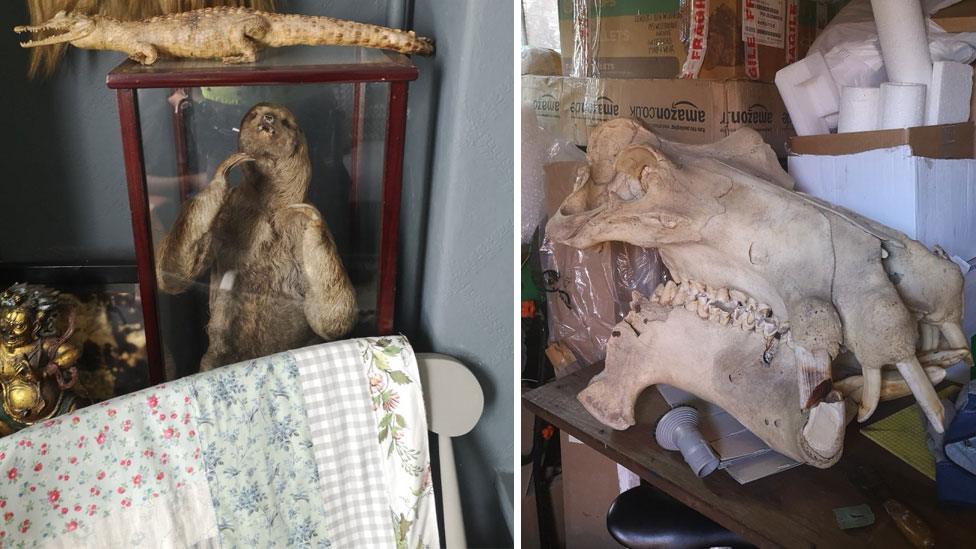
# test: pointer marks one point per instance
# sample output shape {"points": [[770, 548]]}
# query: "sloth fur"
{"points": [[276, 279]]}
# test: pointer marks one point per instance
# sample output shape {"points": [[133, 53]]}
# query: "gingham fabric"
{"points": [[401, 431], [344, 440]]}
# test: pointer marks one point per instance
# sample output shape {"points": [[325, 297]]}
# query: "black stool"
{"points": [[645, 518]]}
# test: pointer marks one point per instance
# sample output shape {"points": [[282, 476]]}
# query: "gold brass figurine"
{"points": [[37, 364]]}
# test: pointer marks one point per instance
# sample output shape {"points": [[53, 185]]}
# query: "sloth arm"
{"points": [[185, 252], [330, 299]]}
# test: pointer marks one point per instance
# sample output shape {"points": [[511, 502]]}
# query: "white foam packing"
{"points": [[860, 109], [904, 43], [949, 93], [902, 105], [810, 94]]}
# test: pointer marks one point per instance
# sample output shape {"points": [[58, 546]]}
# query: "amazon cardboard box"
{"points": [[690, 111], [708, 39]]}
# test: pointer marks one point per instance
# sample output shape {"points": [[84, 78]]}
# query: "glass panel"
{"points": [[187, 133]]}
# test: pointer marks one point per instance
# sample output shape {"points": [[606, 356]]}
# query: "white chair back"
{"points": [[454, 402]]}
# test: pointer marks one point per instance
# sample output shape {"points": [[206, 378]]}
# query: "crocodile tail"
{"points": [[296, 30]]}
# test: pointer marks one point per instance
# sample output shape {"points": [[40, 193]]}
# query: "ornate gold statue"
{"points": [[36, 361]]}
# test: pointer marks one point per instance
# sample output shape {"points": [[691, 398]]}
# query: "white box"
{"points": [[969, 299], [931, 200]]}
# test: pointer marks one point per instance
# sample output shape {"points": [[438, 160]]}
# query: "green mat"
{"points": [[903, 434]]}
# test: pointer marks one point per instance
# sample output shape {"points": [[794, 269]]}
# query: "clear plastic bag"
{"points": [[539, 148], [590, 290], [662, 34]]}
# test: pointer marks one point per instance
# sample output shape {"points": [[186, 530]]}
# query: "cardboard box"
{"points": [[944, 141], [621, 38], [960, 17], [590, 484], [766, 36], [545, 93], [690, 111], [929, 199], [708, 39], [745, 39]]}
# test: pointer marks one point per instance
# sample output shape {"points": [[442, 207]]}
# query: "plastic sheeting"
{"points": [[589, 291], [539, 148], [850, 45], [540, 24]]}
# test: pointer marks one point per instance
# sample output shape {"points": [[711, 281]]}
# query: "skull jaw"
{"points": [[724, 367]]}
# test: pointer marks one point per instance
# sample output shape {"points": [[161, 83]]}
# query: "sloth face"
{"points": [[269, 132]]}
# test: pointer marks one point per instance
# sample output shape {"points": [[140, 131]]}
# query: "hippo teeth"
{"points": [[725, 306]]}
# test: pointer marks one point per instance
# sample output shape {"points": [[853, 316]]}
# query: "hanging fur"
{"points": [[44, 60]]}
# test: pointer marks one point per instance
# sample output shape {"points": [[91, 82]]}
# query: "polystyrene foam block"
{"points": [[947, 100], [859, 109], [904, 44], [902, 105], [810, 94]]}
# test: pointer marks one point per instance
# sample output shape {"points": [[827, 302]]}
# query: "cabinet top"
{"points": [[291, 65]]}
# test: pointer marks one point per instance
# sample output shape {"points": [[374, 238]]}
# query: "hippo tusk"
{"points": [[870, 393], [892, 384], [813, 376], [924, 392], [956, 338], [944, 359], [824, 430]]}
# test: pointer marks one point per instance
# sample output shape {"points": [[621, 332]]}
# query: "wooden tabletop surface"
{"points": [[790, 509]]}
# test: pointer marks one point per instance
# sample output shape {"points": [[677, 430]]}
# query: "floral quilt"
{"points": [[364, 399], [248, 455], [101, 476], [398, 408], [257, 455]]}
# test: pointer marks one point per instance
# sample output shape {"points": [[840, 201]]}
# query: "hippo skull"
{"points": [[770, 290]]}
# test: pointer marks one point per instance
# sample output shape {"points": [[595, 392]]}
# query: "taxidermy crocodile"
{"points": [[233, 35]]}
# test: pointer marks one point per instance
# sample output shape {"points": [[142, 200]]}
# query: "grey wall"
{"points": [[60, 162], [464, 307], [64, 198]]}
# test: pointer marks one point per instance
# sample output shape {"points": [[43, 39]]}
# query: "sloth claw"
{"points": [[233, 160]]}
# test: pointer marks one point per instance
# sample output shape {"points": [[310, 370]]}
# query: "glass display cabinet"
{"points": [[181, 118]]}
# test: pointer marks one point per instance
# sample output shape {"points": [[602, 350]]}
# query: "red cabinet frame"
{"points": [[129, 77]]}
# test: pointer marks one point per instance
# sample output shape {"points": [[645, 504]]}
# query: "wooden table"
{"points": [[790, 509]]}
